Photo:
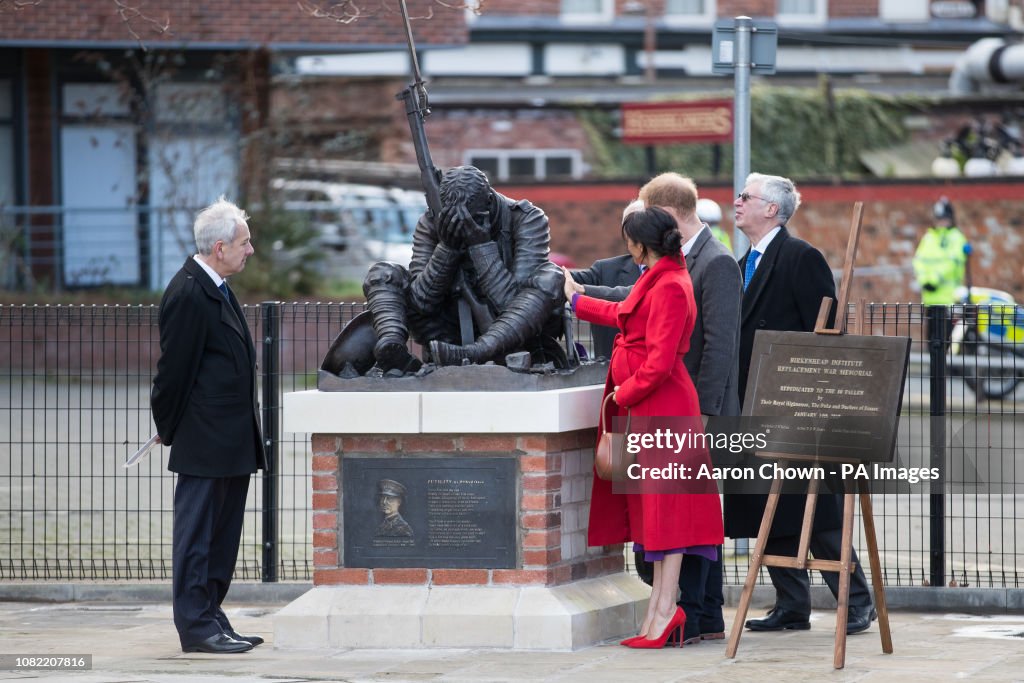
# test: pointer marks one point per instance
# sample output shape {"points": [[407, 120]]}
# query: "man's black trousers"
{"points": [[208, 515]]}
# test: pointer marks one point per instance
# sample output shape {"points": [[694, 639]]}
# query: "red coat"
{"points": [[656, 321]]}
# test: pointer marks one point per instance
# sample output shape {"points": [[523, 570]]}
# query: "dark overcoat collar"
{"points": [[763, 274], [230, 312]]}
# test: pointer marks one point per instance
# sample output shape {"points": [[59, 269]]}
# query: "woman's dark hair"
{"points": [[655, 230]]}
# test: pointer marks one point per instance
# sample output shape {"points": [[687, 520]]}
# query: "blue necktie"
{"points": [[748, 273], [223, 287]]}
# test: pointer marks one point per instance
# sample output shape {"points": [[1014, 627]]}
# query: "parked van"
{"points": [[368, 222]]}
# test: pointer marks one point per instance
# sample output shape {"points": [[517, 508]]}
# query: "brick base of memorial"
{"points": [[463, 525]]}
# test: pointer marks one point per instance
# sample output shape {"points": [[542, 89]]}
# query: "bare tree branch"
{"points": [[344, 12], [474, 6], [130, 13], [349, 11], [15, 5]]}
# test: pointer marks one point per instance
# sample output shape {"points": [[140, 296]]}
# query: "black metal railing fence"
{"points": [[74, 403]]}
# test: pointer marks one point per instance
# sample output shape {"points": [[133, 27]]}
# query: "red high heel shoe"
{"points": [[627, 641], [675, 624]]}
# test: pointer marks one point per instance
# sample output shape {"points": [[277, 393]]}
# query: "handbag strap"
{"points": [[604, 410]]}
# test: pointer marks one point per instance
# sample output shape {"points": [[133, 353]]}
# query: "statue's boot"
{"points": [[522, 320], [384, 288]]}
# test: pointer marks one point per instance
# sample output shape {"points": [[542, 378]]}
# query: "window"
{"points": [[94, 100], [522, 168], [191, 103], [98, 183], [558, 167], [802, 11], [527, 164], [487, 164], [192, 158], [684, 7], [689, 11], [587, 10]]}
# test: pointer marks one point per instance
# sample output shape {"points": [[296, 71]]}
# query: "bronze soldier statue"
{"points": [[486, 254]]}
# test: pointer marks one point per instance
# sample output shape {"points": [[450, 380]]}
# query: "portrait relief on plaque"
{"points": [[390, 496], [451, 512]]}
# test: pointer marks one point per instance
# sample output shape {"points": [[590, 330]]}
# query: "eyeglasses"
{"points": [[746, 197]]}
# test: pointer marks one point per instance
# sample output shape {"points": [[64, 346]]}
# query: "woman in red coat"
{"points": [[649, 379]]}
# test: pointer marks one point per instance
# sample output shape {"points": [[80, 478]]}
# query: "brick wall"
{"points": [[309, 116], [751, 8], [255, 22], [853, 8], [522, 7], [585, 226], [553, 505], [453, 131]]}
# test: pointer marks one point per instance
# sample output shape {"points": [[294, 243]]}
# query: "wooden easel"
{"points": [[845, 565]]}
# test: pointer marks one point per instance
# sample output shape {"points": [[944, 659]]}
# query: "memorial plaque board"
{"points": [[827, 396], [429, 512]]}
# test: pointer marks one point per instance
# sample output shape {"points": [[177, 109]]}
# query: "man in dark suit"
{"points": [[600, 281], [205, 408], [711, 362], [784, 282]]}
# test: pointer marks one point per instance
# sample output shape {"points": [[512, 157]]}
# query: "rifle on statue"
{"points": [[417, 109]]}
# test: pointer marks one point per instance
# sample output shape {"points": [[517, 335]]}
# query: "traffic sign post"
{"points": [[742, 47]]}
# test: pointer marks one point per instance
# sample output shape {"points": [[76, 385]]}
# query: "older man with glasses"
{"points": [[784, 281]]}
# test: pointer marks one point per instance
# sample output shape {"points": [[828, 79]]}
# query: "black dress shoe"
{"points": [[218, 644], [859, 619], [712, 629], [779, 620], [252, 640]]}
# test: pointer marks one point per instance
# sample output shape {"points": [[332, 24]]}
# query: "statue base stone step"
{"points": [[565, 617]]}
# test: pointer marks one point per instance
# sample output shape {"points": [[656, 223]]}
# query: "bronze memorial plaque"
{"points": [[827, 396], [429, 512]]}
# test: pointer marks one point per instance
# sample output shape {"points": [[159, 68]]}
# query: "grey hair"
{"points": [[217, 223], [633, 207], [780, 191]]}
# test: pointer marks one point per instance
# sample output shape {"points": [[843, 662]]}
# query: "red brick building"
{"points": [[114, 124], [109, 146]]}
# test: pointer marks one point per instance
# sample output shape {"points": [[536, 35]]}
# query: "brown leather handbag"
{"points": [[611, 459]]}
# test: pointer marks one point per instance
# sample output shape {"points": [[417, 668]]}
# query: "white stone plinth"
{"points": [[565, 617], [443, 412]]}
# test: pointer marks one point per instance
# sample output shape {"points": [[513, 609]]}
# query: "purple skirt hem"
{"points": [[708, 552]]}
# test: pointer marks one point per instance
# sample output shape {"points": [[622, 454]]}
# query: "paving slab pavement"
{"points": [[136, 643]]}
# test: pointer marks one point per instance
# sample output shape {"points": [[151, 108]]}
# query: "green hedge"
{"points": [[801, 132]]}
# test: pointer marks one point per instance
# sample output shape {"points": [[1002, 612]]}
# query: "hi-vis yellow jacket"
{"points": [[939, 264]]}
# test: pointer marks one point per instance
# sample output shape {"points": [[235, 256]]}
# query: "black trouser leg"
{"points": [[227, 536], [644, 569], [827, 545], [693, 577], [792, 586], [207, 527], [711, 620]]}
